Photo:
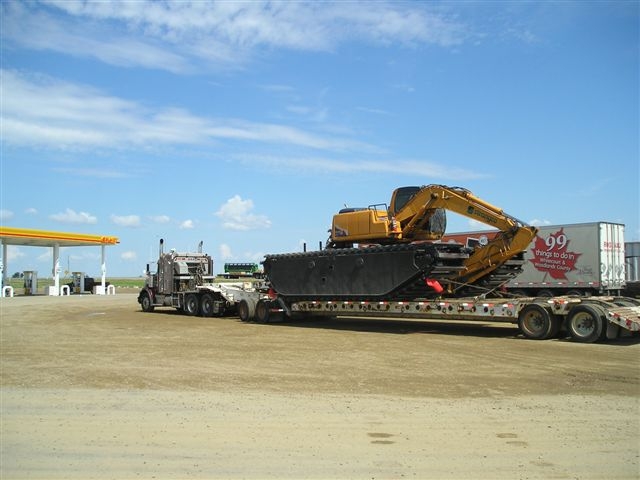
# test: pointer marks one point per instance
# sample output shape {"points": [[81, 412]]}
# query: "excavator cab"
{"points": [[432, 223], [400, 198]]}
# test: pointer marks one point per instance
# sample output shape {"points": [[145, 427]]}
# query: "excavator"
{"points": [[395, 252]]}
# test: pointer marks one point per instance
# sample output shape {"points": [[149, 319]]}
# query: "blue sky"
{"points": [[249, 124]]}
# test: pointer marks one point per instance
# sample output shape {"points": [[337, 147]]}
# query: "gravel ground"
{"points": [[91, 387]]}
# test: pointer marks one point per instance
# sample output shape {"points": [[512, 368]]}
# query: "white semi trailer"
{"points": [[572, 259]]}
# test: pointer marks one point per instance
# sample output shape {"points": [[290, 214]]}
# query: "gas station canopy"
{"points": [[45, 238], [55, 240]]}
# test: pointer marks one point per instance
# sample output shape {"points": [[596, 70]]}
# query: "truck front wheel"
{"points": [[537, 323], [145, 302], [586, 323]]}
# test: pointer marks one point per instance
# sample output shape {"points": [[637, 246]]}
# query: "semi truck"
{"points": [[396, 263], [571, 259], [185, 281]]}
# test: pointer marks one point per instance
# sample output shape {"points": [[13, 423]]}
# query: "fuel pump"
{"points": [[78, 282], [30, 282]]}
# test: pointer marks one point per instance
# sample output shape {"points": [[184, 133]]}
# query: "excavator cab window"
{"points": [[400, 198]]}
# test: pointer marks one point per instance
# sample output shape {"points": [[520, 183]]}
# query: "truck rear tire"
{"points": [[145, 302], [263, 311], [246, 310], [587, 324], [538, 323], [206, 305], [191, 304]]}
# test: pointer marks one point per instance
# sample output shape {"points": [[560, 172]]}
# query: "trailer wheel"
{"points": [[206, 305], [586, 323], [262, 311], [544, 293], [145, 302], [537, 323], [191, 304], [246, 310]]}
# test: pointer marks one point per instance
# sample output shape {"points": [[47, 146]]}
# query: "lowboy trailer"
{"points": [[539, 318]]}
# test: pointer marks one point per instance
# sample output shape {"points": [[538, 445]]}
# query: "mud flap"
{"points": [[613, 331]]}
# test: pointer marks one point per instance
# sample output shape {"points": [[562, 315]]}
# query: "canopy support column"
{"points": [[4, 263], [103, 290], [56, 270]]}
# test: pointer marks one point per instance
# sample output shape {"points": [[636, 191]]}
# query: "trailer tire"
{"points": [[544, 293], [206, 305], [191, 304], [538, 323], [246, 310], [145, 302], [587, 324], [263, 311]]}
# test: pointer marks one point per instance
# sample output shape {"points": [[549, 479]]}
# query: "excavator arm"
{"points": [[419, 210]]}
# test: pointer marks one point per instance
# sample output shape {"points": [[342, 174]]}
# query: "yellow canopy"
{"points": [[46, 238]]}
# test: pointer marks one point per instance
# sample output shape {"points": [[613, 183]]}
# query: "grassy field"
{"points": [[135, 283], [43, 283]]}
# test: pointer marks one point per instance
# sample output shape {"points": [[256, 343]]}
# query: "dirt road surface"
{"points": [[92, 387]]}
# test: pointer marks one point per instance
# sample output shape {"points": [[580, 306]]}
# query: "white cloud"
{"points": [[38, 30], [126, 220], [40, 110], [71, 216], [183, 36], [31, 211], [93, 172], [6, 214], [320, 165], [47, 256], [161, 219], [187, 225], [476, 225], [539, 223], [129, 255], [236, 215], [14, 253], [225, 252]]}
